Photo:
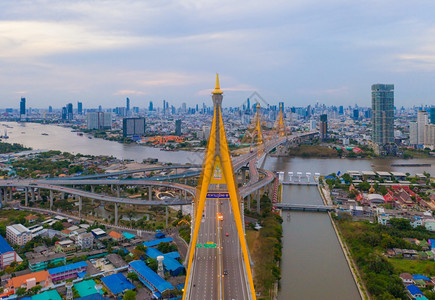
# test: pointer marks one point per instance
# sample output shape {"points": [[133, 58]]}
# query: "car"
{"points": [[220, 217], [225, 272], [226, 234]]}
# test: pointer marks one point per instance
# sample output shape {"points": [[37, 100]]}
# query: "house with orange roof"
{"points": [[116, 236], [28, 281]]}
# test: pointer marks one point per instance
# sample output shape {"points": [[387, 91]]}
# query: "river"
{"points": [[61, 138]]}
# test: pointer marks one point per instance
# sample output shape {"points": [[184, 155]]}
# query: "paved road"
{"points": [[234, 282], [205, 267]]}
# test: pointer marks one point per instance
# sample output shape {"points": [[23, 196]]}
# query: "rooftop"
{"points": [[18, 229], [117, 283], [47, 295], [4, 246], [80, 264], [16, 282], [153, 243], [158, 282], [86, 287]]}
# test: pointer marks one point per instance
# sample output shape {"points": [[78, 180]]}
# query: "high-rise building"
{"points": [[133, 126], [69, 112], [184, 107], [164, 106], [323, 127], [355, 114], [413, 133], [432, 115], [422, 121], [50, 109], [151, 108], [79, 108], [23, 107], [382, 116], [64, 113], [178, 127], [429, 136], [127, 104], [340, 110], [99, 120]]}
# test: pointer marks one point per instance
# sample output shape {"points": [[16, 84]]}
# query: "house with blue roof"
{"points": [[414, 291], [156, 284], [7, 254], [117, 284], [154, 243], [170, 262], [431, 243], [68, 271]]}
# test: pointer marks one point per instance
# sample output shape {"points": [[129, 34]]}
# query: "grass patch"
{"points": [[251, 237], [425, 267]]}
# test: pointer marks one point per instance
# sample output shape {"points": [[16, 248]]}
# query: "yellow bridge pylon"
{"points": [[217, 171]]}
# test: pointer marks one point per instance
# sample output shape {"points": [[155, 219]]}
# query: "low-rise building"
{"points": [[67, 272], [66, 246], [85, 240], [7, 253], [18, 234], [29, 280], [117, 284], [41, 262]]}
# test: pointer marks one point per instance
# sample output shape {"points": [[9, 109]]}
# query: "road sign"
{"points": [[218, 195]]}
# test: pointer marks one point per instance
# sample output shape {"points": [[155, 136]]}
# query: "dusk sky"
{"points": [[299, 52]]}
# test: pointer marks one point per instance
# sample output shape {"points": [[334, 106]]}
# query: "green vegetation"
{"points": [[313, 151], [7, 148], [368, 243], [129, 295]]}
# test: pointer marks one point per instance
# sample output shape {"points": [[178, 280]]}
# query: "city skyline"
{"points": [[55, 53]]}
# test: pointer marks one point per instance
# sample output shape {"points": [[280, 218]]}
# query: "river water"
{"points": [[61, 138], [313, 264]]}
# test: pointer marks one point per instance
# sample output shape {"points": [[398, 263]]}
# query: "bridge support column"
{"points": [[249, 202], [243, 176], [166, 225], [116, 214], [26, 196], [32, 191], [258, 201], [39, 195], [51, 199], [92, 188], [1, 196], [62, 196], [111, 188], [118, 191], [150, 193], [80, 206]]}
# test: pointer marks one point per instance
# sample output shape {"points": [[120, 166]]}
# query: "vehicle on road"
{"points": [[220, 217], [225, 272], [226, 234]]}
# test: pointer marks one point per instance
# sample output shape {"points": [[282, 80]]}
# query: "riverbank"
{"points": [[352, 266]]}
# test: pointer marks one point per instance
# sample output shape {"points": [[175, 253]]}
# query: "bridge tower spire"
{"points": [[281, 124], [217, 190], [258, 126]]}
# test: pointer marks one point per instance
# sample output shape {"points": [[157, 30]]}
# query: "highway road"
{"points": [[205, 266], [235, 283]]}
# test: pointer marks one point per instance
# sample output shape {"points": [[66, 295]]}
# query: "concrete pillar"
{"points": [[111, 188], [51, 199], [80, 206], [249, 202], [62, 195], [116, 214], [10, 194], [93, 188], [26, 195], [1, 195], [118, 191], [32, 191], [39, 195], [166, 226], [150, 193], [258, 201]]}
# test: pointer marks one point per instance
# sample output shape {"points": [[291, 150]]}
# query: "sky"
{"points": [[300, 51]]}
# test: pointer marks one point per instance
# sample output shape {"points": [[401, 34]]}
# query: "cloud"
{"points": [[343, 90], [128, 92]]}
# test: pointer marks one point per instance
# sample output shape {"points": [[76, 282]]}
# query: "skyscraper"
{"points": [[355, 114], [128, 104], [99, 120], [23, 107], [164, 106], [79, 108], [323, 127], [432, 115], [133, 127], [151, 108], [178, 127], [69, 112], [422, 120], [382, 116]]}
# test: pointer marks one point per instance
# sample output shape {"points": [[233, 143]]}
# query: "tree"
{"points": [[400, 224], [58, 226], [129, 295], [20, 291], [132, 276]]}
